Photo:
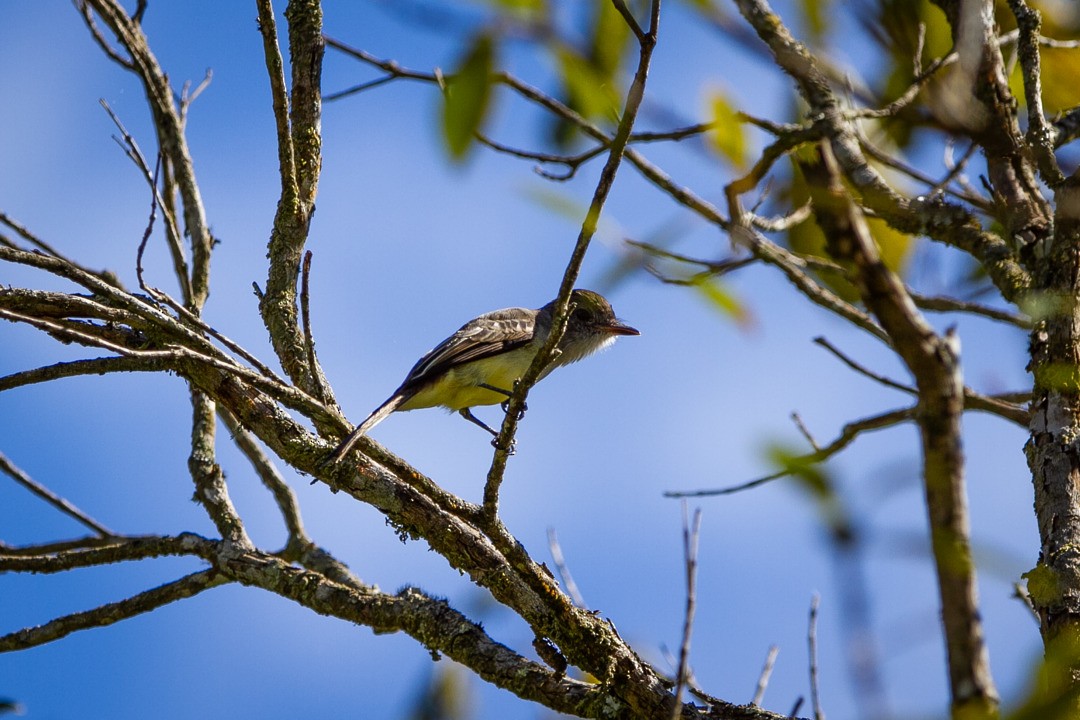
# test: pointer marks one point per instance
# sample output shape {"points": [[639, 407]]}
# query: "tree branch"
{"points": [[299, 160], [545, 354], [9, 468], [170, 132], [106, 615], [934, 363]]}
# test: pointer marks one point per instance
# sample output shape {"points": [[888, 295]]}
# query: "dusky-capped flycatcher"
{"points": [[481, 362]]}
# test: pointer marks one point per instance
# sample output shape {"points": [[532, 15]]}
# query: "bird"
{"points": [[481, 363]]}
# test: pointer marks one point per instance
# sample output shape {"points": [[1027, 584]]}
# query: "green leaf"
{"points": [[592, 92], [728, 135], [819, 485], [610, 36], [468, 96], [717, 295], [817, 15], [520, 5]]}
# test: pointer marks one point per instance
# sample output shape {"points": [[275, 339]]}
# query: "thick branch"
{"points": [[299, 158], [934, 363]]}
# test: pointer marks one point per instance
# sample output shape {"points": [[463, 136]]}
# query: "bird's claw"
{"points": [[512, 450], [505, 405]]}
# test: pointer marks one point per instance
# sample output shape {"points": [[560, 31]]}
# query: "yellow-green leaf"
{"points": [[592, 93], [516, 5], [468, 96], [723, 300], [727, 136], [817, 15], [819, 484]]}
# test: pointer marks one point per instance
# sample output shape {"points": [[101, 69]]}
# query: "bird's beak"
{"points": [[617, 327]]}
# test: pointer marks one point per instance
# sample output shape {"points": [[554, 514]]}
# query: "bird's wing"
{"points": [[490, 334]]}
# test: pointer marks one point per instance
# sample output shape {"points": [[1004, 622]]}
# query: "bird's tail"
{"points": [[371, 421]]}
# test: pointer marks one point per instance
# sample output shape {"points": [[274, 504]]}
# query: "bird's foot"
{"points": [[505, 405], [512, 450]]}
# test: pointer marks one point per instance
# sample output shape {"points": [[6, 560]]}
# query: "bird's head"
{"points": [[592, 325]]}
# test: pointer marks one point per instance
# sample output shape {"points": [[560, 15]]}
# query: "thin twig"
{"points": [[861, 369], [305, 317], [691, 534], [936, 186], [266, 470], [631, 21], [797, 419], [172, 235], [105, 615], [176, 356], [188, 96], [95, 31], [149, 223], [168, 126], [61, 557], [766, 673], [546, 352], [25, 234], [937, 303], [848, 433], [52, 498], [811, 641], [1020, 592], [563, 569]]}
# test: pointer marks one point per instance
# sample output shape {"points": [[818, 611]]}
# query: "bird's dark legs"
{"points": [[467, 414]]}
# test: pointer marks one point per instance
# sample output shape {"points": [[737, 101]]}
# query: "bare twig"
{"points": [[766, 673], [862, 370], [1020, 592], [948, 304], [172, 232], [34, 240], [936, 187], [797, 419], [811, 641], [95, 31], [631, 21], [52, 498], [105, 615], [171, 140], [309, 340], [266, 470], [188, 96], [849, 432], [691, 533], [563, 569]]}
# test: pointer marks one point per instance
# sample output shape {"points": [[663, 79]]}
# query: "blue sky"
{"points": [[407, 247]]}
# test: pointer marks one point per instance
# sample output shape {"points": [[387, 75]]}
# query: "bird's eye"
{"points": [[581, 315]]}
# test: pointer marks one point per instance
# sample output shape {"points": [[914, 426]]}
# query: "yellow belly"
{"points": [[460, 387]]}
